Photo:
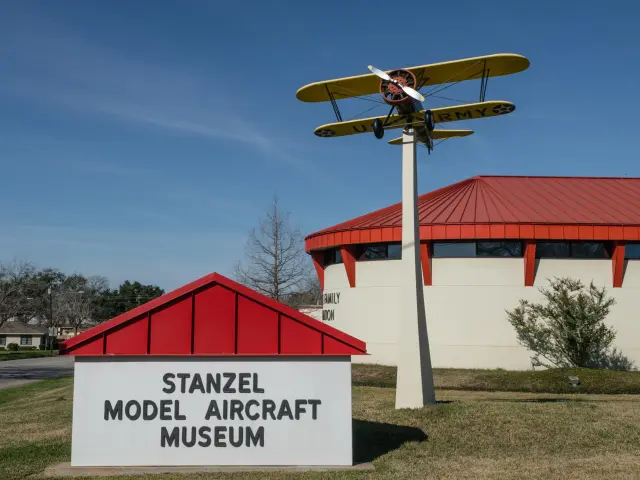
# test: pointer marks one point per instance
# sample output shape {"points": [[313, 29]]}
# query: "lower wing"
{"points": [[441, 115], [438, 135]]}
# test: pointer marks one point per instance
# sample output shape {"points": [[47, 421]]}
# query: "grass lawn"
{"points": [[19, 355], [469, 434]]}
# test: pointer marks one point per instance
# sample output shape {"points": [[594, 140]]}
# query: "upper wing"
{"points": [[436, 73], [441, 115], [438, 135]]}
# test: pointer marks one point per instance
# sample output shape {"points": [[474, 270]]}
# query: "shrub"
{"points": [[13, 347], [568, 330], [28, 348]]}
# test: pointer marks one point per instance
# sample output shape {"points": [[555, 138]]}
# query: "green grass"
{"points": [[467, 435], [543, 381], [19, 355]]}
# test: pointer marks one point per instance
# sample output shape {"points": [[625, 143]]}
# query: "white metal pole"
{"points": [[414, 384]]}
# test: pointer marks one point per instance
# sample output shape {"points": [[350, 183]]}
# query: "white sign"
{"points": [[131, 411]]}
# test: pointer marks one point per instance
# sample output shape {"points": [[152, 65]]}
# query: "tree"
{"points": [[14, 281], [568, 330], [310, 294], [77, 299], [111, 303], [276, 263]]}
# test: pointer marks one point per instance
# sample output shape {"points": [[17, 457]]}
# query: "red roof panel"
{"points": [[213, 316], [565, 202]]}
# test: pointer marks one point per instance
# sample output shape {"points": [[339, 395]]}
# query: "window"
{"points": [[394, 251], [481, 248], [571, 250], [381, 251], [25, 340], [589, 250], [374, 252], [553, 250], [332, 256], [632, 251], [3, 340], [454, 249], [499, 249]]}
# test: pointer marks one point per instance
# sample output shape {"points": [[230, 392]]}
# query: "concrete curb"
{"points": [[65, 469]]}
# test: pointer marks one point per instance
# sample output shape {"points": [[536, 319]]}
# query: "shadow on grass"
{"points": [[550, 400], [539, 400], [373, 439]]}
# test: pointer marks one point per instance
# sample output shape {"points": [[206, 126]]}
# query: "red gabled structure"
{"points": [[213, 316]]}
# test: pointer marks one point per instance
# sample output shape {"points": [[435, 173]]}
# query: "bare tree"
{"points": [[276, 263], [309, 294], [76, 300], [14, 281], [75, 308]]}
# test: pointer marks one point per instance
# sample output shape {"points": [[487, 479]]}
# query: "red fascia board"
{"points": [[504, 230], [201, 283]]}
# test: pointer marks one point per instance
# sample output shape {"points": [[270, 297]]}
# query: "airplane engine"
{"points": [[394, 95]]}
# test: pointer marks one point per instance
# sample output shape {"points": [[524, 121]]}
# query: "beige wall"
{"points": [[313, 312], [466, 307]]}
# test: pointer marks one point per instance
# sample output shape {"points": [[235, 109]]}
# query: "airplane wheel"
{"points": [[378, 131], [429, 122]]}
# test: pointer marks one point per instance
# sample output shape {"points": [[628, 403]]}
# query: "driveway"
{"points": [[14, 373]]}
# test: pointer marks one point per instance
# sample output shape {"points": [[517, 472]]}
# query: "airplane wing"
{"points": [[472, 110], [438, 135], [434, 74], [441, 115]]}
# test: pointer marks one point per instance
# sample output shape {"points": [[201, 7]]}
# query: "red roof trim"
{"points": [[100, 332], [505, 231]]}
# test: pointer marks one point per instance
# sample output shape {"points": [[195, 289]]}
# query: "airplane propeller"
{"points": [[408, 90]]}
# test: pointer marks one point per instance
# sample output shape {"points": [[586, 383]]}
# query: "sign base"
{"points": [[66, 470]]}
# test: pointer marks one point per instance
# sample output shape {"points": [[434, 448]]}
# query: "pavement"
{"points": [[14, 373]]}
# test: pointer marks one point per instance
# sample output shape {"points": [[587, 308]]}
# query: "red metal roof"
{"points": [[506, 207], [213, 316]]}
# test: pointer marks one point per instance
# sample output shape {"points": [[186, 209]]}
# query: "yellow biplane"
{"points": [[400, 89]]}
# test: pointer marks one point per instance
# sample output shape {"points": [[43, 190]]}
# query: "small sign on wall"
{"points": [[330, 300], [212, 411]]}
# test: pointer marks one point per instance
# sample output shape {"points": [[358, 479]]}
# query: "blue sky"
{"points": [[144, 139]]}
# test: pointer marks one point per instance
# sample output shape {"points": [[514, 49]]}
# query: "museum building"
{"points": [[485, 243]]}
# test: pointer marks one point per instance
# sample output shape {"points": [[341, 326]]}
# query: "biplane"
{"points": [[400, 89]]}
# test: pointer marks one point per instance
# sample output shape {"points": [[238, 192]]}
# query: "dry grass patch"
{"points": [[37, 411]]}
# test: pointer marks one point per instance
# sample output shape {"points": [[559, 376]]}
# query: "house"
{"points": [[24, 335], [67, 331]]}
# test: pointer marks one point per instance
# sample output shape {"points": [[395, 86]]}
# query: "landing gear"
{"points": [[429, 122], [378, 129]]}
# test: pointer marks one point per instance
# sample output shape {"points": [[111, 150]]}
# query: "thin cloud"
{"points": [[74, 74], [172, 191]]}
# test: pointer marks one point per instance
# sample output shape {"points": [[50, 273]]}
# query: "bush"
{"points": [[568, 330], [2, 348], [13, 347], [27, 348]]}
